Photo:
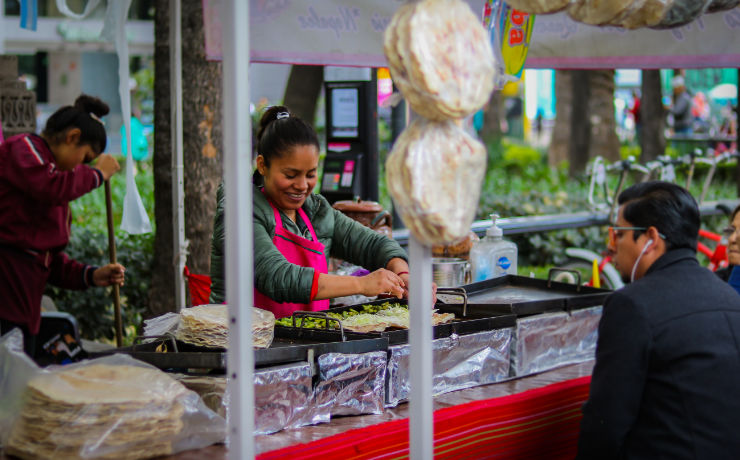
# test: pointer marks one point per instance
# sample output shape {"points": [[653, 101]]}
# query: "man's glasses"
{"points": [[615, 233], [729, 231]]}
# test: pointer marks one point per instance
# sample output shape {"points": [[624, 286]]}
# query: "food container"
{"points": [[369, 213], [450, 271]]}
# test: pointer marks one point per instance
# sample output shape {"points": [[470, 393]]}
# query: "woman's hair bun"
{"points": [[92, 104]]}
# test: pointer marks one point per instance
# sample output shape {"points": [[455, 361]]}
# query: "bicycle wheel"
{"points": [[585, 269]]}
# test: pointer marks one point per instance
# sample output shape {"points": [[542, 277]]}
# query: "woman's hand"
{"points": [[382, 281], [405, 278], [108, 275], [108, 165]]}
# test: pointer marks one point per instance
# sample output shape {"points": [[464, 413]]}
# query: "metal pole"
{"points": [[421, 426], [2, 29], [178, 182], [239, 284]]}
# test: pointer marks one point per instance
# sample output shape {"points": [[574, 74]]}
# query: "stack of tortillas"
{"points": [[208, 326], [98, 411], [630, 14], [440, 58], [434, 174]]}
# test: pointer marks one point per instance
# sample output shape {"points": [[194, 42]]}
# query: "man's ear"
{"points": [[73, 136], [654, 235]]}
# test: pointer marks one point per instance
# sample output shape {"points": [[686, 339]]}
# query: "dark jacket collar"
{"points": [[671, 257]]}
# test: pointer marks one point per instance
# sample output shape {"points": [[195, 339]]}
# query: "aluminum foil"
{"points": [[283, 397], [459, 362], [543, 342], [351, 384]]}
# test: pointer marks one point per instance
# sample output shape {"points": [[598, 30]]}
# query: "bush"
{"points": [[93, 308]]}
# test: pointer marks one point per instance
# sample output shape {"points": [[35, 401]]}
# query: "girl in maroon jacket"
{"points": [[39, 176]]}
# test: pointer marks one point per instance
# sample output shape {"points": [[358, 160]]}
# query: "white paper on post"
{"points": [[135, 219]]}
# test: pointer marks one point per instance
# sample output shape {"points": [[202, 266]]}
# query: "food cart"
{"points": [[243, 380]]}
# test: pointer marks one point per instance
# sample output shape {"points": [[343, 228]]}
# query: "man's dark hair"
{"points": [[668, 207]]}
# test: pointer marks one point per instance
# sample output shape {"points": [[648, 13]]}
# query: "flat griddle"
{"points": [[460, 326], [521, 296], [177, 355]]}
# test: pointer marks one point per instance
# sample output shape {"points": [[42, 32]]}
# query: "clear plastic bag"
{"points": [[434, 174], [111, 407], [440, 58]]}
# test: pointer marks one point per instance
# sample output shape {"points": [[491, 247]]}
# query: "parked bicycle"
{"points": [[581, 259], [663, 168]]}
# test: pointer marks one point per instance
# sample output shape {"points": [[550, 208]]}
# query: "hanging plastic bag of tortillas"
{"points": [[434, 174]]}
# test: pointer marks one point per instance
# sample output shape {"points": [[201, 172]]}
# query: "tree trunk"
{"points": [[652, 117], [580, 123], [202, 137], [604, 141], [303, 89], [490, 131], [162, 293], [560, 141]]}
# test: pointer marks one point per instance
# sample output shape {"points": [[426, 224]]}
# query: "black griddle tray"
{"points": [[522, 296], [460, 326], [181, 355]]}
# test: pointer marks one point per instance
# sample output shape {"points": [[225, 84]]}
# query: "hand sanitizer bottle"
{"points": [[493, 256]]}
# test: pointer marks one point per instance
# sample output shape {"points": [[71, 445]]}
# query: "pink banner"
{"points": [[350, 33]]}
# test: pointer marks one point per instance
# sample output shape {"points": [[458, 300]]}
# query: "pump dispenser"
{"points": [[493, 256]]}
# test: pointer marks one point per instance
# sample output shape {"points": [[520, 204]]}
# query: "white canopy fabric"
{"points": [[340, 32]]}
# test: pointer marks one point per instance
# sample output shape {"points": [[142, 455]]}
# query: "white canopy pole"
{"points": [[421, 426], [238, 208], [178, 182]]}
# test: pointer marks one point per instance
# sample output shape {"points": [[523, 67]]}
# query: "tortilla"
{"points": [[98, 410], [682, 12], [538, 6], [208, 326], [649, 14], [434, 174], [598, 12], [722, 5], [440, 58]]}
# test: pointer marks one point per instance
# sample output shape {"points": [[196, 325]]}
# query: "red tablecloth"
{"points": [[536, 424]]}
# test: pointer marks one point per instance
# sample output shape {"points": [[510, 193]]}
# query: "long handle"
{"points": [[112, 255]]}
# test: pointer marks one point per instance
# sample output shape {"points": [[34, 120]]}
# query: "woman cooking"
{"points": [[295, 230]]}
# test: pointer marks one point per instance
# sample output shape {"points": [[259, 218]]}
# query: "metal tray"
{"points": [[179, 355], [520, 295], [461, 326]]}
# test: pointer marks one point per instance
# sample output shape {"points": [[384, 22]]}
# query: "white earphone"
{"points": [[634, 267]]}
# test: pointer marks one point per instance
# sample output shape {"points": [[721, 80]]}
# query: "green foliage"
{"points": [[626, 151], [88, 211], [520, 155], [93, 308]]}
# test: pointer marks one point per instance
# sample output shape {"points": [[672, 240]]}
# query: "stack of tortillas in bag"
{"points": [[441, 59], [208, 326], [98, 411], [631, 14]]}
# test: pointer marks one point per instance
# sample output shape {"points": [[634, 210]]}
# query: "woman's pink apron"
{"points": [[300, 251]]}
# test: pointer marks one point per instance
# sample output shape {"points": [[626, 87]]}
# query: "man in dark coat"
{"points": [[667, 372]]}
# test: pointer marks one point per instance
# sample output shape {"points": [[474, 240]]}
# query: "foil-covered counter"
{"points": [[546, 341], [283, 397], [459, 362], [348, 384], [351, 384]]}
